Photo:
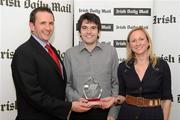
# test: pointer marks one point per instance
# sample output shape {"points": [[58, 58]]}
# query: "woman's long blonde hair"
{"points": [[130, 53]]}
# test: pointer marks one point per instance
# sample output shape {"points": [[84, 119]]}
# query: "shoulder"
{"points": [[72, 52], [23, 47], [122, 65], [108, 47], [23, 52], [162, 64]]}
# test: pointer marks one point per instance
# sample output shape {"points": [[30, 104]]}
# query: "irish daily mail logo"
{"points": [[132, 11], [178, 98], [104, 27], [107, 27], [119, 43]]}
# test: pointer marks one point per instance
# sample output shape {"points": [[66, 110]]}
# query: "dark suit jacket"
{"points": [[40, 89]]}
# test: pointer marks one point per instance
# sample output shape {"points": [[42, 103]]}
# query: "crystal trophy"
{"points": [[92, 90]]}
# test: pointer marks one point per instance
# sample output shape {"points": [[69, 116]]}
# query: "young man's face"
{"points": [[44, 25], [89, 32]]}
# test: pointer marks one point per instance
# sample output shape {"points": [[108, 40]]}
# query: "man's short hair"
{"points": [[39, 9], [90, 17]]}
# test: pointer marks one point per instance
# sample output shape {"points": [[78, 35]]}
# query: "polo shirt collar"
{"points": [[82, 46]]}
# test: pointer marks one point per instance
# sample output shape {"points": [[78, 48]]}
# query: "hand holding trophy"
{"points": [[92, 92]]}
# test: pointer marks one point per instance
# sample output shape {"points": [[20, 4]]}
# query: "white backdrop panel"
{"points": [[14, 30]]}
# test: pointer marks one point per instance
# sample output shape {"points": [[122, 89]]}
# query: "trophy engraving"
{"points": [[92, 90]]}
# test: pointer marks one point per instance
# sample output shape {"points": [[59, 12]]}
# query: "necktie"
{"points": [[53, 56]]}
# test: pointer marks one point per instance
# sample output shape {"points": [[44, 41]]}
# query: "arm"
{"points": [[113, 112], [71, 94], [166, 91], [166, 106], [78, 104], [110, 101], [111, 118], [121, 95]]}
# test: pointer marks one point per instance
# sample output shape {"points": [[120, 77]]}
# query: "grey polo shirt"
{"points": [[101, 64]]}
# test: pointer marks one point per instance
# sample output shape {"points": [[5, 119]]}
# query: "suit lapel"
{"points": [[44, 53]]}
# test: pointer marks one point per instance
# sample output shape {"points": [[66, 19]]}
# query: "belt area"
{"points": [[142, 102]]}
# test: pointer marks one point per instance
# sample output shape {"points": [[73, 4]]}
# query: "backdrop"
{"points": [[159, 17]]}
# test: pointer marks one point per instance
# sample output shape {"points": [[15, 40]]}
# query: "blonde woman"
{"points": [[144, 81]]}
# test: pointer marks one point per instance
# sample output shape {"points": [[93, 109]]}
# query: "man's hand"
{"points": [[110, 118], [83, 100], [107, 102], [91, 104], [78, 106]]}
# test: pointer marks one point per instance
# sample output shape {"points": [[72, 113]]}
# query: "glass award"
{"points": [[92, 90]]}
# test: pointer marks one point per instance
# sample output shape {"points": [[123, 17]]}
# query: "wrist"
{"points": [[117, 100]]}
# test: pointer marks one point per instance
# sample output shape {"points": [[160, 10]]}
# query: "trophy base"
{"points": [[93, 99], [94, 102]]}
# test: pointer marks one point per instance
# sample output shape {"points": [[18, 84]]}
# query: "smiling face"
{"points": [[138, 43], [89, 32], [43, 26]]}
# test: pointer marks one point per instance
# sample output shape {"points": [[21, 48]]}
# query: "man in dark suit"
{"points": [[40, 81]]}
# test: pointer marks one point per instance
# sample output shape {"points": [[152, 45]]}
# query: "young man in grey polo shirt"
{"points": [[91, 59]]}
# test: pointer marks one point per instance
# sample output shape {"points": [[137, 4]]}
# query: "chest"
{"points": [[84, 64], [150, 78]]}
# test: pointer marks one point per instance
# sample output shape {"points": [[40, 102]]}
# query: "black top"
{"points": [[156, 82]]}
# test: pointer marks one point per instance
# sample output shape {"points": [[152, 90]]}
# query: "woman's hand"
{"points": [[119, 99], [107, 102]]}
